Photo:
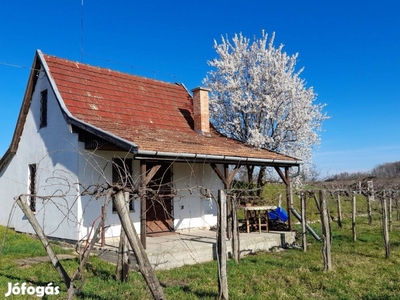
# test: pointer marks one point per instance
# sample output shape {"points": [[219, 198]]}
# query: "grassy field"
{"points": [[360, 269]]}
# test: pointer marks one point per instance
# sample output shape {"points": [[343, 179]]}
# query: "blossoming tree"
{"points": [[258, 97]]}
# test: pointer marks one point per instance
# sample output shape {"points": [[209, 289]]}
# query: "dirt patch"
{"points": [[27, 262]]}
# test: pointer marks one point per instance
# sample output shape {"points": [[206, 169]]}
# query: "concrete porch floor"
{"points": [[195, 246]]}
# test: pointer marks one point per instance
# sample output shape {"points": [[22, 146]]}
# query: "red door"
{"points": [[159, 218]]}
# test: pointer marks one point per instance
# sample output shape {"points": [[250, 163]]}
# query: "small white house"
{"points": [[80, 125]]}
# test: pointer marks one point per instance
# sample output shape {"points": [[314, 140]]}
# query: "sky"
{"points": [[350, 51]]}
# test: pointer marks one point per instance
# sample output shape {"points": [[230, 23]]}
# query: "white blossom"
{"points": [[258, 97]]}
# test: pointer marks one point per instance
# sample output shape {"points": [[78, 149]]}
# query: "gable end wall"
{"points": [[55, 151]]}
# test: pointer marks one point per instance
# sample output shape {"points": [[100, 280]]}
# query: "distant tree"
{"points": [[390, 170], [346, 176], [387, 170], [258, 97]]}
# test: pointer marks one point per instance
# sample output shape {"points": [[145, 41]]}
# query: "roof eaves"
{"points": [[218, 158], [35, 69], [6, 158]]}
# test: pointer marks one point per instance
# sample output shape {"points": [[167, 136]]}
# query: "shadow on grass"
{"points": [[199, 294], [395, 244], [377, 297], [86, 295], [98, 272], [24, 279]]}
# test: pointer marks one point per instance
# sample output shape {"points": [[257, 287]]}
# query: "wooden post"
{"points": [[123, 262], [390, 214], [23, 204], [317, 204], [137, 247], [221, 249], [122, 269], [83, 259], [326, 231], [229, 229], [143, 203], [103, 228], [339, 211], [353, 217], [229, 218], [369, 212], [303, 199], [288, 198], [385, 226], [235, 232], [86, 252]]}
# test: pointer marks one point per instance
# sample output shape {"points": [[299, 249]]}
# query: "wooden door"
{"points": [[159, 217]]}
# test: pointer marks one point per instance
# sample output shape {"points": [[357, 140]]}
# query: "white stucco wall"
{"points": [[53, 149], [96, 168], [191, 208], [194, 205], [61, 160]]}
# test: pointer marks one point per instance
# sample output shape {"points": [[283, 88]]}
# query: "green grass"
{"points": [[360, 271]]}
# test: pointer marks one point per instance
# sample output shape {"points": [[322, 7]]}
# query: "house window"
{"points": [[43, 109], [122, 175], [32, 187]]}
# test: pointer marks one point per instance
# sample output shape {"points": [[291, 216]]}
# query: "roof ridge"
{"points": [[140, 77]]}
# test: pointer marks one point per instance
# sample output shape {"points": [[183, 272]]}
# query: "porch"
{"points": [[194, 246]]}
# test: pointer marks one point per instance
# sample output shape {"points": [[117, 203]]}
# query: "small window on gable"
{"points": [[122, 175], [43, 109], [32, 187]]}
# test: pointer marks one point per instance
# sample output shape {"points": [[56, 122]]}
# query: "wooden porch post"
{"points": [[288, 197], [143, 203], [286, 179], [228, 203], [232, 228]]}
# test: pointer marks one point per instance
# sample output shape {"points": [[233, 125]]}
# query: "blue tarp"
{"points": [[278, 214]]}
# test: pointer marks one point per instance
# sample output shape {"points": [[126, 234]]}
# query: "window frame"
{"points": [[43, 109], [32, 178]]}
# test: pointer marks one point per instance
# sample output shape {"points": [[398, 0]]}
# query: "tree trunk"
{"points": [[229, 218], [260, 179], [140, 254], [250, 170]]}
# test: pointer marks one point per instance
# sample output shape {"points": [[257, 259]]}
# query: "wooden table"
{"points": [[258, 214]]}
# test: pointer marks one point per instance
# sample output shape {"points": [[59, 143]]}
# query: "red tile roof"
{"points": [[154, 115]]}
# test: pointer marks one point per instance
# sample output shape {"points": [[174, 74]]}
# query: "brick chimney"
{"points": [[201, 110]]}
